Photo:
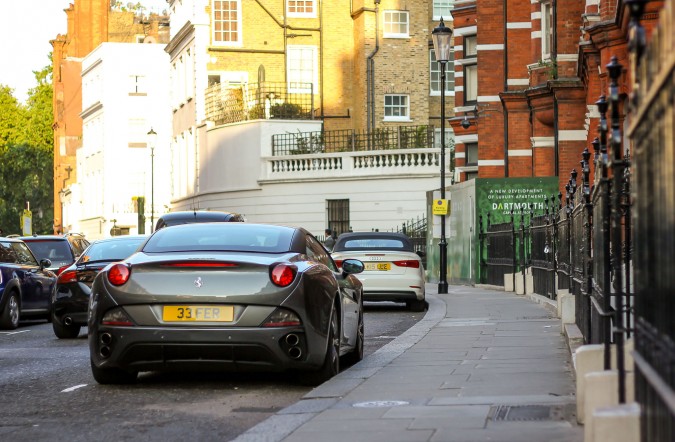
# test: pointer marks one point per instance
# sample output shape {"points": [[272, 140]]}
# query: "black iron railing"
{"points": [[386, 138], [225, 103]]}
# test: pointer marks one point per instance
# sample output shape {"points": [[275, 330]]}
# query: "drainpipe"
{"points": [[370, 75], [554, 60], [506, 89]]}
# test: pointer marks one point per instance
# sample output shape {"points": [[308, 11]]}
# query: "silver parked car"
{"points": [[226, 296]]}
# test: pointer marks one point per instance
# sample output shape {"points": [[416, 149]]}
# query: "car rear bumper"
{"points": [[242, 349]]}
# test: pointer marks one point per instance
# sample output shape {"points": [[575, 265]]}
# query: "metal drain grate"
{"points": [[511, 413]]}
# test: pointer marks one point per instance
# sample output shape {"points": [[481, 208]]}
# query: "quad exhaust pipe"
{"points": [[68, 321], [294, 350]]}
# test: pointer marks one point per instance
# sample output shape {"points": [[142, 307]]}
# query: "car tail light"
{"points": [[116, 316], [61, 269], [67, 277], [412, 263], [283, 274], [338, 262], [282, 318], [119, 274]]}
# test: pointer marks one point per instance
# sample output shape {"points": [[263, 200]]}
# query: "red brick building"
{"points": [[527, 79]]}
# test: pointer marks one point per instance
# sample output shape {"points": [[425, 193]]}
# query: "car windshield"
{"points": [[233, 237], [373, 242], [115, 250], [52, 249]]}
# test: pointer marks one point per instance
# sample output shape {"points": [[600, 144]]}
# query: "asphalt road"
{"points": [[48, 391]]}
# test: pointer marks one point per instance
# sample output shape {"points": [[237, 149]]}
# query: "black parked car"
{"points": [[197, 216], [71, 298], [61, 250], [26, 285]]}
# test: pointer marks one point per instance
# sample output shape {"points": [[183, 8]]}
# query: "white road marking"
{"points": [[68, 390], [14, 332]]}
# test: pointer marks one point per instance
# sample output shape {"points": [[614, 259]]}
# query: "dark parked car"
{"points": [[226, 296], [61, 250], [71, 298], [196, 216], [26, 285]]}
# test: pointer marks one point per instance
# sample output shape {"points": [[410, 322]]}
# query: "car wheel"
{"points": [[9, 319], [417, 305], [112, 375], [63, 331], [331, 362], [357, 354]]}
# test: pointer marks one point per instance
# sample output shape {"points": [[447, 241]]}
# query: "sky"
{"points": [[27, 49]]}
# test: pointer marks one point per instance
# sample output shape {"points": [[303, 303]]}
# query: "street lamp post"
{"points": [[441, 37], [152, 140]]}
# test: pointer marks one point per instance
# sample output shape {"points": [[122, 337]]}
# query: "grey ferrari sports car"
{"points": [[226, 296]]}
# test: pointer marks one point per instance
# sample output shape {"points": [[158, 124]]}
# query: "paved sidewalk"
{"points": [[482, 365]]}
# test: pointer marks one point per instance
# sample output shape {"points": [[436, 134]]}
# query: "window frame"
{"points": [[405, 117], [546, 29], [305, 3], [465, 46], [440, 6], [387, 14], [473, 67], [238, 32], [473, 147], [290, 78], [449, 72]]}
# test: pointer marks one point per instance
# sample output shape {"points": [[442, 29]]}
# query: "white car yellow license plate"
{"points": [[197, 313], [381, 266]]}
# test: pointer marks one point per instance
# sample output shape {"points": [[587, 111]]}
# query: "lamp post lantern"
{"points": [[442, 39], [152, 140]]}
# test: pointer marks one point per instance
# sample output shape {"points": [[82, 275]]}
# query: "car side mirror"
{"points": [[44, 263], [352, 266]]}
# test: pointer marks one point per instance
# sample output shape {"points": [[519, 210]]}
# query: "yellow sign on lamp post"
{"points": [[440, 207], [27, 222]]}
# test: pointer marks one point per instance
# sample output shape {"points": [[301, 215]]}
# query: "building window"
{"points": [[471, 175], [138, 132], [470, 46], [137, 85], [442, 9], [226, 22], [435, 74], [301, 8], [471, 150], [470, 83], [302, 69], [546, 30], [396, 24], [396, 108], [449, 138], [337, 212]]}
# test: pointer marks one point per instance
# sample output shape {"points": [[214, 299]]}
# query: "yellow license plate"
{"points": [[382, 266], [197, 313]]}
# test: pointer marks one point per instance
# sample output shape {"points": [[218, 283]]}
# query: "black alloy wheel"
{"points": [[9, 320], [63, 331], [357, 354], [331, 362], [112, 375], [417, 305]]}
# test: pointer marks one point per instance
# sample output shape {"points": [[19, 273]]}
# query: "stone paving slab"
{"points": [[475, 350]]}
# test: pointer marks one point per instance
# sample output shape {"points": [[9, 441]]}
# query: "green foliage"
{"points": [[289, 111], [26, 156], [12, 117]]}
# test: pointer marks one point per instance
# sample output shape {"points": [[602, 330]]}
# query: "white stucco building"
{"points": [[124, 96], [234, 167]]}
